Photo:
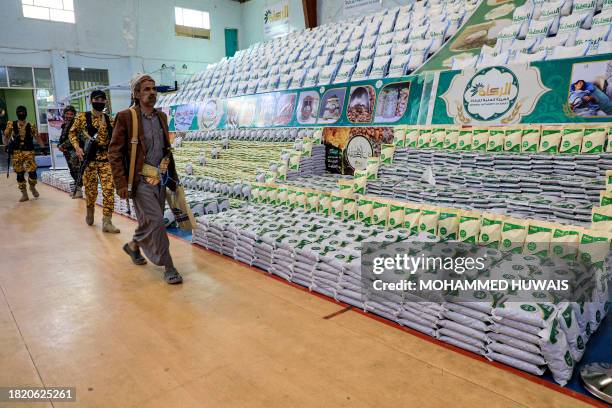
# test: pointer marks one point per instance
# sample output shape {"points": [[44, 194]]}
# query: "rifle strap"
{"points": [[134, 143]]}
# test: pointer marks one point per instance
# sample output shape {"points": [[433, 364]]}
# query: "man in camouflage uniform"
{"points": [[22, 135], [66, 147], [96, 124]]}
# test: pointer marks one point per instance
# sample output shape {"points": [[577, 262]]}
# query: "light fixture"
{"points": [[82, 68]]}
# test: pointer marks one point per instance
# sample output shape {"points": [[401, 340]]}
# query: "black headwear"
{"points": [[70, 108], [98, 94]]}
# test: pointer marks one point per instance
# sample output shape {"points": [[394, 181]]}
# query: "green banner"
{"points": [[560, 91], [388, 101]]}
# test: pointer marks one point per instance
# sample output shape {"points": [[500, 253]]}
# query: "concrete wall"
{"points": [[123, 36]]}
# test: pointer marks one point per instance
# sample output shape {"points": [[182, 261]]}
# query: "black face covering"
{"points": [[21, 115], [98, 106]]}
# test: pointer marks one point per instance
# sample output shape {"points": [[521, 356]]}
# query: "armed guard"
{"points": [[95, 125], [19, 138]]}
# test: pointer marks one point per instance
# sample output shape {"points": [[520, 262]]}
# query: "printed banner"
{"points": [[55, 120], [276, 19], [494, 94], [348, 148], [561, 91], [359, 7]]}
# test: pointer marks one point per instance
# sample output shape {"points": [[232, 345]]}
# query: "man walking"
{"points": [[141, 141], [70, 154], [21, 134], [96, 124]]}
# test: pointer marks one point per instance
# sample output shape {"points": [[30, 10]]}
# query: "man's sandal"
{"points": [[137, 258], [172, 277]]}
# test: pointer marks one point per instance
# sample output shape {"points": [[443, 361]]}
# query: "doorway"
{"points": [[231, 42]]}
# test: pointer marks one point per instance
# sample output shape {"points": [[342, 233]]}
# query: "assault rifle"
{"points": [[10, 148]]}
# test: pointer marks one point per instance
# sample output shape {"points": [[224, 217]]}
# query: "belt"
{"points": [[150, 174]]}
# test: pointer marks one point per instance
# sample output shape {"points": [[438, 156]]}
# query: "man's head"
{"points": [[98, 100], [144, 91], [69, 113], [579, 85], [22, 112]]}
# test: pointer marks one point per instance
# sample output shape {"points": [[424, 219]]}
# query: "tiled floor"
{"points": [[75, 312]]}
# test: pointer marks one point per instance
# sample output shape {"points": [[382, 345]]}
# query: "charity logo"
{"points": [[490, 93], [358, 150]]}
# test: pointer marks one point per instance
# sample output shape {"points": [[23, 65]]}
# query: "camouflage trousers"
{"points": [[23, 161], [99, 170], [74, 165]]}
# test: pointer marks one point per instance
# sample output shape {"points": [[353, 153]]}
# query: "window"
{"points": [[20, 77], [51, 10], [83, 81], [191, 23]]}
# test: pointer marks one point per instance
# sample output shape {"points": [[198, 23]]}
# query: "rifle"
{"points": [[10, 147], [89, 155]]}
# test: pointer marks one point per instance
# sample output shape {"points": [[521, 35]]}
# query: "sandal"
{"points": [[137, 258], [172, 277]]}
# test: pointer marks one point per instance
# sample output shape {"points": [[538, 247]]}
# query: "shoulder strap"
{"points": [[109, 126], [134, 143], [91, 129]]}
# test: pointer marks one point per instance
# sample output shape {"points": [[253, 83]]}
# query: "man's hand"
{"points": [[79, 152], [122, 193]]}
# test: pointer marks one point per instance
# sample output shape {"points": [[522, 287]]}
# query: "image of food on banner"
{"points": [[348, 149], [285, 105], [266, 109], [233, 112], [392, 102], [183, 116], [361, 104], [210, 113], [590, 90], [308, 107], [248, 105], [332, 105]]}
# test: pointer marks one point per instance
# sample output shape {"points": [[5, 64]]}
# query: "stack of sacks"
{"points": [[263, 255], [244, 250], [585, 165], [310, 165], [283, 254], [60, 179]]}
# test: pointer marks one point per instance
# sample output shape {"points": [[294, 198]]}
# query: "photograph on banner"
{"points": [[308, 107], [55, 120], [183, 116], [392, 102], [361, 104], [276, 19], [247, 107], [233, 111], [266, 110], [210, 113], [590, 91], [285, 105], [348, 148], [332, 105]]}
